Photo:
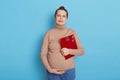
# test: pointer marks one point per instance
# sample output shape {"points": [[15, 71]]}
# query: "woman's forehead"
{"points": [[61, 12]]}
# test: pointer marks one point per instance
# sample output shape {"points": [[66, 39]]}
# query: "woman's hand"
{"points": [[56, 71], [64, 51]]}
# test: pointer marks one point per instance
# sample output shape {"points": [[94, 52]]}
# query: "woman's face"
{"points": [[61, 17]]}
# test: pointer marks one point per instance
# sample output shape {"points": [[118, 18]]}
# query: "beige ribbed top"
{"points": [[51, 46]]}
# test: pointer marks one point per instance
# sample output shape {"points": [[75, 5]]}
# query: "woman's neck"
{"points": [[61, 27]]}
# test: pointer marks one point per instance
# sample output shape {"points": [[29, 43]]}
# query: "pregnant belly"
{"points": [[58, 61]]}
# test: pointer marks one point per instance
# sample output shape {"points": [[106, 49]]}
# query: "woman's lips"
{"points": [[60, 21]]}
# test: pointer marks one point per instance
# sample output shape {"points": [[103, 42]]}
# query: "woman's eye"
{"points": [[64, 16], [58, 15]]}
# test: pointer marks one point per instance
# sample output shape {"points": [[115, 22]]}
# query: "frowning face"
{"points": [[61, 17]]}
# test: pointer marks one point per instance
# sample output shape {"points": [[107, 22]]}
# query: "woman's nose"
{"points": [[60, 16]]}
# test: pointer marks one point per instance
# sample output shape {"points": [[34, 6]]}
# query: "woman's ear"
{"points": [[54, 18]]}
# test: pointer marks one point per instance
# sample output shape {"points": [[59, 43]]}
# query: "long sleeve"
{"points": [[79, 50], [44, 48], [44, 51]]}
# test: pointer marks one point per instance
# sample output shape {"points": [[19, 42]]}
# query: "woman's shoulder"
{"points": [[71, 30], [50, 31]]}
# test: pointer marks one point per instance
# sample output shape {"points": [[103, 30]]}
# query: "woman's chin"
{"points": [[60, 24]]}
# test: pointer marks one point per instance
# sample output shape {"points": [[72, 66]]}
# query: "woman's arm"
{"points": [[44, 51], [44, 59], [78, 51]]}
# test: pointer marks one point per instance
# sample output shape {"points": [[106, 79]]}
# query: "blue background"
{"points": [[23, 24]]}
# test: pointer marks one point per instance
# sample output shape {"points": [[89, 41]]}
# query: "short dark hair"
{"points": [[61, 8]]}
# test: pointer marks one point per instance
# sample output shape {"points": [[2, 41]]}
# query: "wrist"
{"points": [[70, 52], [50, 69]]}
